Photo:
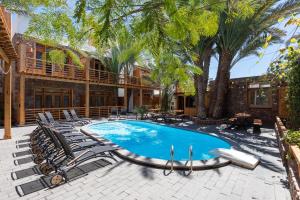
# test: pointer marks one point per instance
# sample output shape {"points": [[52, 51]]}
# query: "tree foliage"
{"points": [[286, 68], [156, 26]]}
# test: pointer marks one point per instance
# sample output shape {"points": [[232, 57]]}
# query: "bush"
{"points": [[293, 138], [140, 110]]}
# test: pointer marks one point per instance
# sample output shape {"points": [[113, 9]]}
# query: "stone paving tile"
{"points": [[124, 180]]}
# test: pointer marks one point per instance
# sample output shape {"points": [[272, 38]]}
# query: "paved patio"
{"points": [[123, 180]]}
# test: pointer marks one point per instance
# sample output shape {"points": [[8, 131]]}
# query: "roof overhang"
{"points": [[6, 46]]}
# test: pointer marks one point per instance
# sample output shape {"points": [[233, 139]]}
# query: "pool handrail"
{"points": [[172, 157], [191, 157]]}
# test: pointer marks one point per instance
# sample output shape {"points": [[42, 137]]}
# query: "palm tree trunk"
{"points": [[221, 84], [202, 80]]}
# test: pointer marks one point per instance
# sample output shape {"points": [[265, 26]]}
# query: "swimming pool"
{"points": [[154, 141]]}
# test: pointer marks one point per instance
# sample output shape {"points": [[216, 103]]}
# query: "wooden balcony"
{"points": [[133, 81], [48, 69], [30, 114], [105, 77]]}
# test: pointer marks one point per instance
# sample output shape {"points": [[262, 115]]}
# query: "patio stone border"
{"points": [[291, 164], [159, 163]]}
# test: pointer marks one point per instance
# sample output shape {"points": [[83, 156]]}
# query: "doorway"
{"points": [[180, 102]]}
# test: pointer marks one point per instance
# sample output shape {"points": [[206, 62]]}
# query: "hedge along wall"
{"points": [[290, 158], [293, 79]]}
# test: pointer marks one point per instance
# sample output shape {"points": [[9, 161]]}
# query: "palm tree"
{"points": [[204, 51], [238, 38]]}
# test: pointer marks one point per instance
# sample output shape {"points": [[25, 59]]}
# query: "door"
{"points": [[180, 103]]}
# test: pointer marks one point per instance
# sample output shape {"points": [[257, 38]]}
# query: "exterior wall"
{"points": [[111, 94], [31, 84], [40, 74], [238, 100]]}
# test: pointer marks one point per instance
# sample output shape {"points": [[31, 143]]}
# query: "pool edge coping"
{"points": [[159, 163]]}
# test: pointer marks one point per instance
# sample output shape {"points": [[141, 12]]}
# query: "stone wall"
{"points": [[237, 100]]}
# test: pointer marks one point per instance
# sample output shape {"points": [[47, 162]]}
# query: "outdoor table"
{"points": [[242, 119]]}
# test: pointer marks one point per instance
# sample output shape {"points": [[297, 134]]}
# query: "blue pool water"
{"points": [[154, 141]]}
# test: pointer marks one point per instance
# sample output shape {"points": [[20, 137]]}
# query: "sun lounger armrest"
{"points": [[76, 158]]}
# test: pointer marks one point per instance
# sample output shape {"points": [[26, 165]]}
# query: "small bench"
{"points": [[257, 123]]}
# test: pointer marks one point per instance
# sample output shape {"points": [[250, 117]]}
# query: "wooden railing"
{"points": [[31, 114], [105, 77], [46, 68], [72, 72], [133, 81], [102, 111]]}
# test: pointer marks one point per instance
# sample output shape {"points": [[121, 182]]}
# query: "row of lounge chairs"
{"points": [[73, 118], [58, 147]]}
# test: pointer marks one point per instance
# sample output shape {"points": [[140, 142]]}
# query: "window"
{"points": [[38, 101], [39, 59], [48, 102], [66, 101], [190, 102], [52, 98], [57, 101], [260, 97]]}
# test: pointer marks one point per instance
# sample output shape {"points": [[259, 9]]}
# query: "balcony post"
{"points": [[22, 100], [7, 102], [141, 96], [87, 87], [125, 97], [87, 99], [22, 60]]}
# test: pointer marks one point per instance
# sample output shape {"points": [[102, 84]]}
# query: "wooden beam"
{"points": [[125, 97], [3, 55], [87, 99], [22, 100], [22, 59], [7, 102], [87, 86], [141, 97]]}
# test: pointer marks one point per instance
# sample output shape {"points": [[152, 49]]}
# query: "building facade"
{"points": [[7, 58], [254, 95], [39, 85]]}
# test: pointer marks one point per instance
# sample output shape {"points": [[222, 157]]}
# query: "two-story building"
{"points": [[40, 85]]}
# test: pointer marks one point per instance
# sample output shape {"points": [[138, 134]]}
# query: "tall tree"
{"points": [[154, 24], [204, 51], [237, 38]]}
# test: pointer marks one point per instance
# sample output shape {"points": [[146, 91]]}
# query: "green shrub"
{"points": [[141, 110], [293, 138]]}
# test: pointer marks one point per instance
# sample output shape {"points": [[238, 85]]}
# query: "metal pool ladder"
{"points": [[172, 157], [171, 160], [191, 157]]}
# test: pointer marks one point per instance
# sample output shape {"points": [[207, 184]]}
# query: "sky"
{"points": [[249, 66]]}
